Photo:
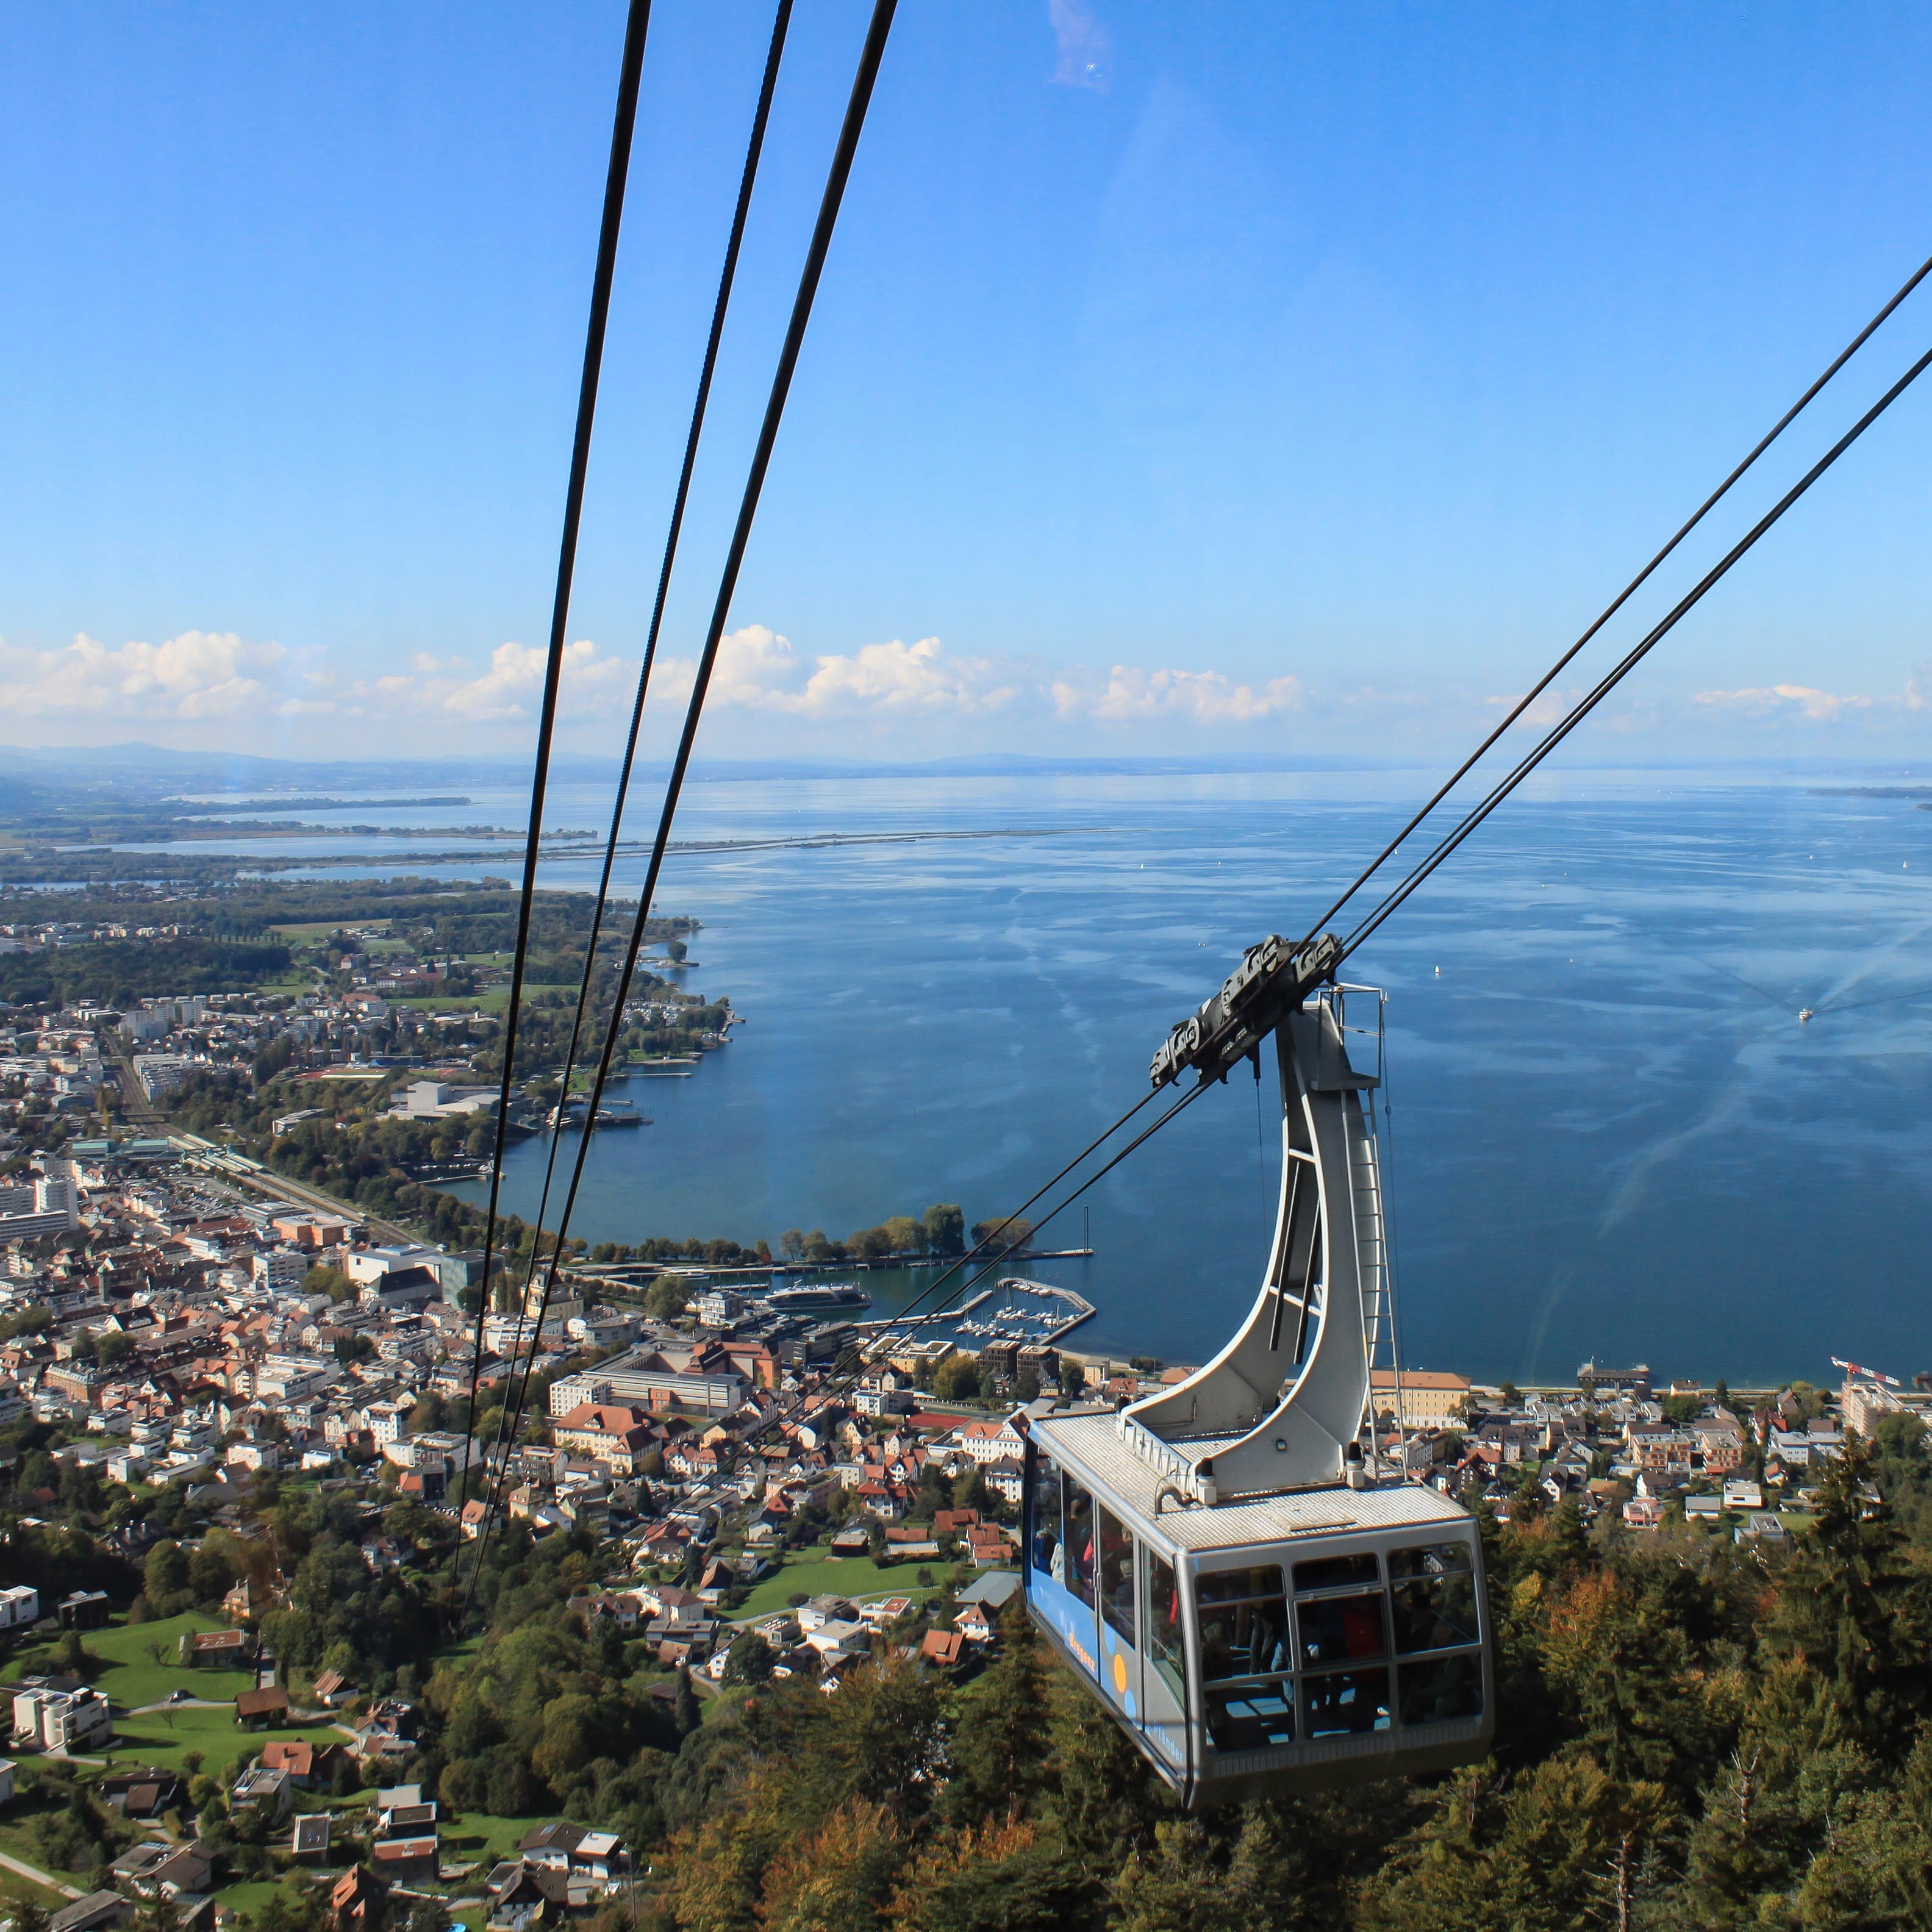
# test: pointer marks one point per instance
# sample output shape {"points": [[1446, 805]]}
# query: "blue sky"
{"points": [[1239, 377]]}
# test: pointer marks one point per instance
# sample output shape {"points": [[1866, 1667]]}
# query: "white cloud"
{"points": [[198, 675], [1787, 700], [1551, 707], [226, 685], [758, 670], [510, 688], [1131, 696], [513, 685]]}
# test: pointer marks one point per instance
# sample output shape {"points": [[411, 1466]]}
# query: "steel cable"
{"points": [[1622, 598], [1634, 656], [720, 307], [871, 56], [630, 74]]}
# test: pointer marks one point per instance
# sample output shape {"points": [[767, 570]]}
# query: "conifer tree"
{"points": [[999, 1742], [1858, 1612]]}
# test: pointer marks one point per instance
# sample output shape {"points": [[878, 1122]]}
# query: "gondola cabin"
{"points": [[1273, 1644], [1262, 1608]]}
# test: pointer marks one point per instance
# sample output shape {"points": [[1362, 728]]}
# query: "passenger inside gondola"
{"points": [[1347, 1702], [1116, 1574], [1082, 1556], [1164, 1635], [1334, 1629], [1434, 1597], [1243, 1617], [1046, 1543]]}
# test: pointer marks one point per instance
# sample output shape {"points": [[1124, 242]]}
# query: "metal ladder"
{"points": [[1372, 1261]]}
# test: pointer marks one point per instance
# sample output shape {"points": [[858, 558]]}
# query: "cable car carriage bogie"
{"points": [[1260, 1607]]}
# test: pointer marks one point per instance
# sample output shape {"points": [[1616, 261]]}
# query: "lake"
{"points": [[1607, 1133]]}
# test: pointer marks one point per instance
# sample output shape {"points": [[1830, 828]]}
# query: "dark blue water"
{"points": [[1609, 1134]]}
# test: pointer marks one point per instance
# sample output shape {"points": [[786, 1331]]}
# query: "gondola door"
{"points": [[1163, 1718]]}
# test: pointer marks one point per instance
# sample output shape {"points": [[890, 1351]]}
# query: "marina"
{"points": [[1014, 1313]]}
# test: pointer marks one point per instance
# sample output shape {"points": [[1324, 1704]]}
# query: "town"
{"points": [[249, 1434]]}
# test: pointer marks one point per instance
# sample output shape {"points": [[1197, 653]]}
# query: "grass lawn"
{"points": [[165, 1737], [320, 928], [256, 1892], [17, 1842], [710, 1709], [13, 1888], [490, 1000], [131, 1677], [476, 1837], [456, 1654], [855, 1576]]}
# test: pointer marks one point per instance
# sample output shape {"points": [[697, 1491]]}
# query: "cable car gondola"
{"points": [[1260, 1605]]}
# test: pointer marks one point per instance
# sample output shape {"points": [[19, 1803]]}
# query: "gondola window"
{"points": [[1116, 1574]]}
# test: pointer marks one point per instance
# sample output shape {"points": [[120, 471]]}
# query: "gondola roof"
{"points": [[1093, 1439]]}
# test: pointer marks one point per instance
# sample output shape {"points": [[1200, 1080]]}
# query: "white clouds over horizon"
{"points": [[1132, 696], [758, 670], [199, 675], [1787, 703], [213, 687]]}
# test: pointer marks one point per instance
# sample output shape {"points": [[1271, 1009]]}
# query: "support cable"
{"points": [[1529, 764], [630, 74], [1634, 656], [1623, 597], [870, 58], [720, 307]]}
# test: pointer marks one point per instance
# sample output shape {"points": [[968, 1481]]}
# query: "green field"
{"points": [[166, 1737], [313, 929], [490, 999], [13, 1888], [815, 1574], [17, 1842], [256, 1892], [130, 1676], [474, 1837]]}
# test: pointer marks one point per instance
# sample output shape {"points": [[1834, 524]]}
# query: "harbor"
{"points": [[1014, 1312]]}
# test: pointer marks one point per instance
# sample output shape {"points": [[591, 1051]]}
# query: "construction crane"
{"points": [[1866, 1374]]}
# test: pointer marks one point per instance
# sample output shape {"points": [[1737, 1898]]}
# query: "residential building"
{"points": [[620, 1436], [1862, 1404], [96, 1910], [62, 1721], [1429, 1398], [84, 1610], [991, 1441], [256, 1710], [267, 1787], [280, 1270], [309, 1842]]}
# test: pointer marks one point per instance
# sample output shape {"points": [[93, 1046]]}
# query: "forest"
{"points": [[1690, 1735], [117, 973]]}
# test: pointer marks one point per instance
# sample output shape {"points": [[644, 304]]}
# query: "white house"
{"points": [[991, 1441]]}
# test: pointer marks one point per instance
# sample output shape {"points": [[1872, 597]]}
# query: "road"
{"points": [[141, 1116], [134, 1107], [282, 1189]]}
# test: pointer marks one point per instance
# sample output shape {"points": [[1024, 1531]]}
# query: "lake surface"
{"points": [[1607, 1133]]}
